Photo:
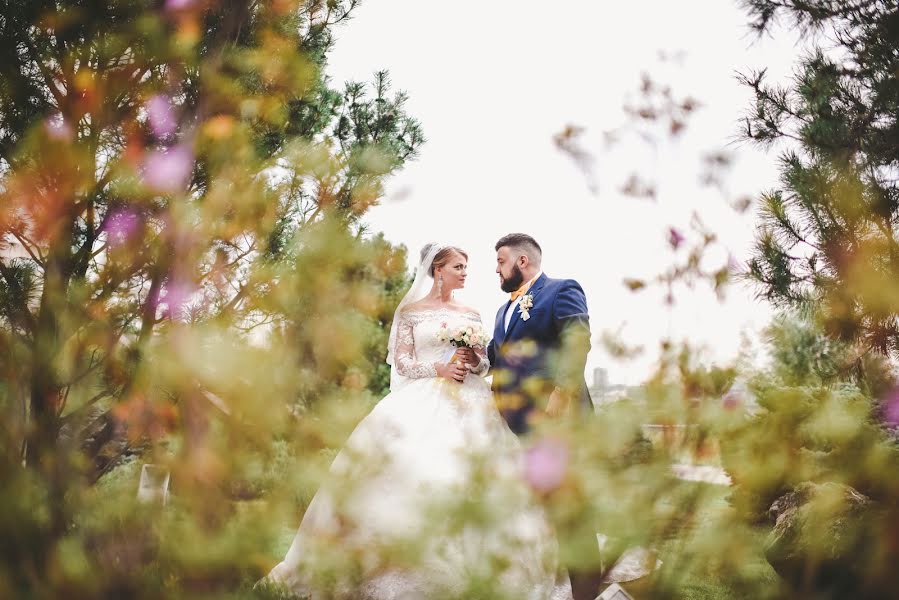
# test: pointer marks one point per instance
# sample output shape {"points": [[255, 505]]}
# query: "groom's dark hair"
{"points": [[523, 243]]}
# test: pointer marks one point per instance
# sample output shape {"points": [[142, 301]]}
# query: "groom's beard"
{"points": [[514, 280]]}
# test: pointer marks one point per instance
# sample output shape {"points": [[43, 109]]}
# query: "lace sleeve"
{"points": [[483, 366], [406, 364]]}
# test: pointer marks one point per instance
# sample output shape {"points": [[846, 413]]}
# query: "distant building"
{"points": [[603, 392]]}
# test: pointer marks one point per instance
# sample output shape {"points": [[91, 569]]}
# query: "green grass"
{"points": [[715, 557]]}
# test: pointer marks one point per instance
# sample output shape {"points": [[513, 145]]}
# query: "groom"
{"points": [[538, 353], [540, 340]]}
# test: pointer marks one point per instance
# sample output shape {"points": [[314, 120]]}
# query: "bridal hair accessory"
{"points": [[428, 253], [527, 301]]}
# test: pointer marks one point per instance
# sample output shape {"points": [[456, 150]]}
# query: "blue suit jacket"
{"points": [[549, 350]]}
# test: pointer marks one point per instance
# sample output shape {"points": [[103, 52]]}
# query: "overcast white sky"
{"points": [[493, 81]]}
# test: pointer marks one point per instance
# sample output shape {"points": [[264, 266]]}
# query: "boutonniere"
{"points": [[527, 301]]}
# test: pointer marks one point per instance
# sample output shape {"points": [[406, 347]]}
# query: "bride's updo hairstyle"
{"points": [[442, 257]]}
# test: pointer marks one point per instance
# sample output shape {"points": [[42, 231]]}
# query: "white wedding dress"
{"points": [[427, 498]]}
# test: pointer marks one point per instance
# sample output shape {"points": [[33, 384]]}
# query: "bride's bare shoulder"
{"points": [[427, 305], [466, 309], [416, 306]]}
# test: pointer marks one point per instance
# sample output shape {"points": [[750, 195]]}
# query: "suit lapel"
{"points": [[499, 330], [516, 314]]}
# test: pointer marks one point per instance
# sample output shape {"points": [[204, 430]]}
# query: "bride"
{"points": [[426, 499]]}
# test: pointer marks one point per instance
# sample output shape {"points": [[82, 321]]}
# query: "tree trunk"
{"points": [[42, 453]]}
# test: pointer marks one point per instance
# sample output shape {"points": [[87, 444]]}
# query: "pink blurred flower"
{"points": [[121, 225], [161, 116], [545, 464], [732, 400], [58, 128], [178, 4], [675, 238], [168, 170]]}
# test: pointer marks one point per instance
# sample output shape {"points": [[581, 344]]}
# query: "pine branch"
{"points": [[77, 414], [50, 81], [30, 322], [30, 247]]}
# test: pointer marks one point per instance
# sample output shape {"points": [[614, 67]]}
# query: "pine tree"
{"points": [[827, 239]]}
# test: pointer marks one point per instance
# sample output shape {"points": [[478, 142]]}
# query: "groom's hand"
{"points": [[559, 403]]}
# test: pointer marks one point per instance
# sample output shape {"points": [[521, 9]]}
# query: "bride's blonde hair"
{"points": [[442, 257]]}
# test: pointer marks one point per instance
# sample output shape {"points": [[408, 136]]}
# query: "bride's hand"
{"points": [[466, 356], [453, 371]]}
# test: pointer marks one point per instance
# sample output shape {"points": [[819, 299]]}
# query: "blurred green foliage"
{"points": [[187, 281]]}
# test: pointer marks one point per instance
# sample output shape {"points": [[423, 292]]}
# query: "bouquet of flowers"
{"points": [[466, 336]]}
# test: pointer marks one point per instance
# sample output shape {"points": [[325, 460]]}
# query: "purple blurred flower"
{"points": [[675, 238], [545, 464], [161, 116], [121, 225], [890, 408], [58, 128], [168, 170], [176, 296]]}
